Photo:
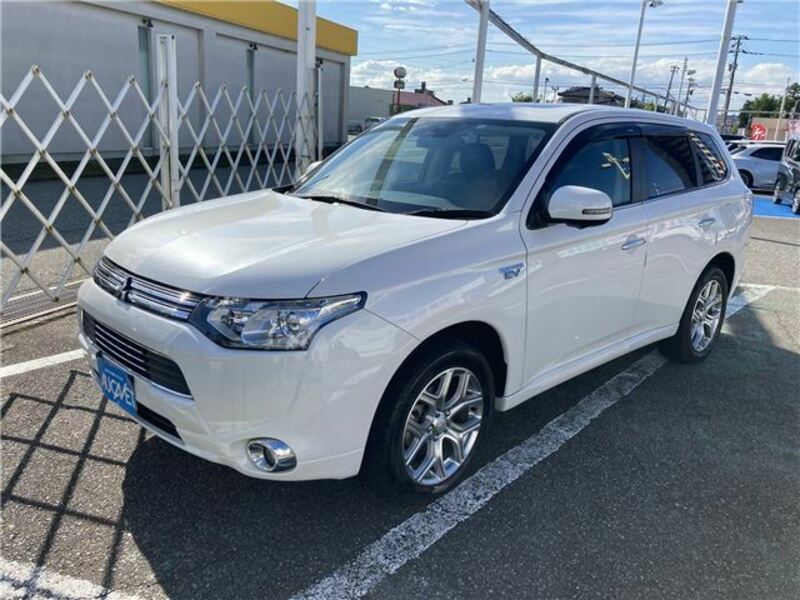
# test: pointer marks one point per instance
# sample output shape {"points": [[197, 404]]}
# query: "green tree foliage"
{"points": [[767, 105], [522, 97]]}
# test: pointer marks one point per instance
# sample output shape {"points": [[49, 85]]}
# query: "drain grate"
{"points": [[26, 307]]}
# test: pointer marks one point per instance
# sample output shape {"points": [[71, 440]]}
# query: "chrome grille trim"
{"points": [[149, 295], [158, 369]]}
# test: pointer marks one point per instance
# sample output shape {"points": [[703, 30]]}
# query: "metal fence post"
{"points": [[320, 142], [168, 119], [306, 50]]}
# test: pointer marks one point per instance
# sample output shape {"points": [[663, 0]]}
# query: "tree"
{"points": [[767, 105], [522, 97]]}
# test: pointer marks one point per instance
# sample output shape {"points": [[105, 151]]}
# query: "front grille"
{"points": [[149, 295], [133, 356]]}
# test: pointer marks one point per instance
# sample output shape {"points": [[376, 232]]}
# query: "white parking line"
{"points": [[39, 363], [419, 532], [19, 580]]}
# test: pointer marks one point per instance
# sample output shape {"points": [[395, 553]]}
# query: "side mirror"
{"points": [[581, 204], [312, 166]]}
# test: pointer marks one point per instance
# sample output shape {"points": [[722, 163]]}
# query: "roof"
{"points": [[548, 113], [420, 99], [517, 111], [272, 18], [585, 92]]}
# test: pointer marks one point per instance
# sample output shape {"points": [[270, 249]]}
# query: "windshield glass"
{"points": [[431, 165]]}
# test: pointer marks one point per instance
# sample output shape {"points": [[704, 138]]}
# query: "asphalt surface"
{"points": [[688, 487]]}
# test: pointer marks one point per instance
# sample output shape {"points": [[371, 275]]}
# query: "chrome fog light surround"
{"points": [[271, 455]]}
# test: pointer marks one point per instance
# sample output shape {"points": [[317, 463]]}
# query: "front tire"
{"points": [[702, 319], [796, 203], [430, 422]]}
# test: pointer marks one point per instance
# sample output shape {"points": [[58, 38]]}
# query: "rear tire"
{"points": [[702, 319], [747, 179], [418, 423], [796, 203]]}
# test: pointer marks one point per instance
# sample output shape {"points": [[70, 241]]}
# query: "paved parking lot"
{"points": [[640, 479]]}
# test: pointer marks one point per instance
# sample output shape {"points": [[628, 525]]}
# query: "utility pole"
{"points": [[722, 58], [783, 105], [689, 91], [680, 87], [739, 39], [672, 70]]}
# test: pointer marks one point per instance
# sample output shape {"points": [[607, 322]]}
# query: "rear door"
{"points": [[685, 189]]}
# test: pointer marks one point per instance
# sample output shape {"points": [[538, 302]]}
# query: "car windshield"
{"points": [[430, 166]]}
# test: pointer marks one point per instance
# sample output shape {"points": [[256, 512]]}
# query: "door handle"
{"points": [[633, 243], [706, 223]]}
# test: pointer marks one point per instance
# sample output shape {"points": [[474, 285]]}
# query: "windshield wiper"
{"points": [[451, 213], [338, 200]]}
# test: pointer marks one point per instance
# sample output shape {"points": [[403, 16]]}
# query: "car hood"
{"points": [[262, 244]]}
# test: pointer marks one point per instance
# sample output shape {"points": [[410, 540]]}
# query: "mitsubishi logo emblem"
{"points": [[122, 291]]}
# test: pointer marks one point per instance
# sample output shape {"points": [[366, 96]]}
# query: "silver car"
{"points": [[758, 164]]}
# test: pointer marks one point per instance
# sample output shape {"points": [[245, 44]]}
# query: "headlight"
{"points": [[270, 325]]}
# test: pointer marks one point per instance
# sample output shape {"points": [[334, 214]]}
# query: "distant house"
{"points": [[580, 95], [373, 102], [420, 98]]}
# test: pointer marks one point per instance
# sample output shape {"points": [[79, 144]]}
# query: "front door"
{"points": [[583, 282]]}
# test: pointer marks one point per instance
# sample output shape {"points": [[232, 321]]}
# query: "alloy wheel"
{"points": [[706, 316], [442, 426]]}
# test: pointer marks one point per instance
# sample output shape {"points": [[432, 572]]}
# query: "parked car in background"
{"points": [[787, 185], [372, 121], [445, 264], [758, 164], [354, 127]]}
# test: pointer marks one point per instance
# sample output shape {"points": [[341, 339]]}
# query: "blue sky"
{"points": [[435, 40]]}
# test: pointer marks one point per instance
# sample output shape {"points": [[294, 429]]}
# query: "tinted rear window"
{"points": [[771, 153], [670, 164], [713, 167]]}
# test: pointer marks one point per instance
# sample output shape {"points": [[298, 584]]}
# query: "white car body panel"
{"points": [[218, 247], [562, 299]]}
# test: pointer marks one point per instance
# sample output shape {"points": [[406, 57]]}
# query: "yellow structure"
{"points": [[273, 18]]}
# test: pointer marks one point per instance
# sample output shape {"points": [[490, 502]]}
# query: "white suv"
{"points": [[447, 263]]}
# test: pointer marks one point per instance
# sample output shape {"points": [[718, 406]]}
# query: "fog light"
{"points": [[272, 456]]}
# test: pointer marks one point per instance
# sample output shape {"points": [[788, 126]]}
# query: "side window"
{"points": [[669, 163], [713, 167], [604, 165], [772, 153]]}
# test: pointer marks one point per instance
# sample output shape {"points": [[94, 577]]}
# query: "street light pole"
{"points": [[722, 59], [480, 53], [645, 4]]}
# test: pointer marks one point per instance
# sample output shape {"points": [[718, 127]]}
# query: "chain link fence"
{"points": [[131, 154]]}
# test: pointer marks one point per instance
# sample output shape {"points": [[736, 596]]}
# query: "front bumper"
{"points": [[320, 402]]}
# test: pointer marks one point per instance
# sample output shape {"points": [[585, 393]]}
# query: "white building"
{"points": [[218, 43]]}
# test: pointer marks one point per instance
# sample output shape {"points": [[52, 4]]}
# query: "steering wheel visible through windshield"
{"points": [[436, 166]]}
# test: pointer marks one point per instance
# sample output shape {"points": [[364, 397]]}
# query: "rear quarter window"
{"points": [[713, 167]]}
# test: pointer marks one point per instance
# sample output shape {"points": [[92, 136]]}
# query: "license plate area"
{"points": [[117, 385]]}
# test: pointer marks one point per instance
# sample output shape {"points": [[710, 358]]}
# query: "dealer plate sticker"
{"points": [[117, 385]]}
